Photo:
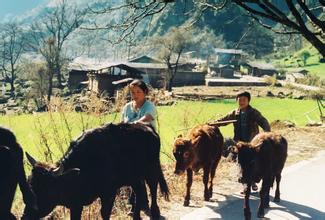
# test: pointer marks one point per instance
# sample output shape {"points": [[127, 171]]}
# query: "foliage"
{"points": [[304, 55]]}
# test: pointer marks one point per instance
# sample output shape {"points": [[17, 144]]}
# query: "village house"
{"points": [[229, 57], [101, 80], [260, 69], [222, 71]]}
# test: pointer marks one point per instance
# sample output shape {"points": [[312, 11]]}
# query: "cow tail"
{"points": [[163, 184]]}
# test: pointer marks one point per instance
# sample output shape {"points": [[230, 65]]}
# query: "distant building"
{"points": [[101, 80], [223, 71], [77, 79], [143, 59], [260, 69], [229, 57]]}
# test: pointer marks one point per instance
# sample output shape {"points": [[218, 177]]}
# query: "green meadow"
{"points": [[41, 133]]}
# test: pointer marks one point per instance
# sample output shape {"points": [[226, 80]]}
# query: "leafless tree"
{"points": [[171, 46], [49, 34], [11, 49]]}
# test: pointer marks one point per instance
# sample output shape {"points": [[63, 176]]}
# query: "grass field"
{"points": [[313, 65], [39, 133]]}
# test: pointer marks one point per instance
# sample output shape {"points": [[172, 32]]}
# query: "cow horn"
{"points": [[31, 160], [58, 171]]}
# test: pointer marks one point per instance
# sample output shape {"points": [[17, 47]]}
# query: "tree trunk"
{"points": [[50, 88], [12, 87], [319, 45], [59, 76]]}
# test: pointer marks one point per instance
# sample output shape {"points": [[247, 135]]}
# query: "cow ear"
{"points": [[196, 140], [31, 160]]}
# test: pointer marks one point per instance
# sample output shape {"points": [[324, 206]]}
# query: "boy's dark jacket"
{"points": [[254, 119]]}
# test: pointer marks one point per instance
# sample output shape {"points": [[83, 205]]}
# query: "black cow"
{"points": [[261, 159], [12, 173], [96, 165]]}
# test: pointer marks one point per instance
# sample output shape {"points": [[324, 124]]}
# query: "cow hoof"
{"points": [[186, 203], [207, 199], [276, 199], [247, 214], [266, 206], [155, 213], [260, 214]]}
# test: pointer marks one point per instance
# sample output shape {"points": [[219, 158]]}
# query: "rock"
{"points": [[298, 96], [3, 99], [278, 124], [281, 95], [314, 124], [166, 103], [2, 112], [12, 104], [78, 108], [269, 94]]}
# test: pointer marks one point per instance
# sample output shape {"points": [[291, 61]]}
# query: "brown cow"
{"points": [[261, 159], [201, 149]]}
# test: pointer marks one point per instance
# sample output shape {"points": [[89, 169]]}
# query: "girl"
{"points": [[140, 110]]}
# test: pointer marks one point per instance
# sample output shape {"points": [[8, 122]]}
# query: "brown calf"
{"points": [[261, 159], [201, 149]]}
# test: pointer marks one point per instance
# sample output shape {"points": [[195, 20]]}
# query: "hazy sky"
{"points": [[17, 7]]}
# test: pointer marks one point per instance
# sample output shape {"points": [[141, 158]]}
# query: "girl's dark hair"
{"points": [[142, 85], [244, 94]]}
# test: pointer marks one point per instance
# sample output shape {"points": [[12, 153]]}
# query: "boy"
{"points": [[248, 120]]}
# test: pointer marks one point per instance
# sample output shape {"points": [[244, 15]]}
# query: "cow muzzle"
{"points": [[178, 172]]}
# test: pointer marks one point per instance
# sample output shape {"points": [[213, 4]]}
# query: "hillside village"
{"points": [[100, 98]]}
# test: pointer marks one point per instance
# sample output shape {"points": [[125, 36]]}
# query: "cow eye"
{"points": [[186, 154]]}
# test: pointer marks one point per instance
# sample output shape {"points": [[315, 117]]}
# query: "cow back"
{"points": [[209, 142]]}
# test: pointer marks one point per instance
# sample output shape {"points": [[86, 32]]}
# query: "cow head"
{"points": [[247, 161], [48, 185], [184, 154], [228, 150]]}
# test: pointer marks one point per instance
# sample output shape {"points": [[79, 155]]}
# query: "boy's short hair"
{"points": [[244, 94], [142, 85]]}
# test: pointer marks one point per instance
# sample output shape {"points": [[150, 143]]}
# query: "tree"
{"points": [[49, 34], [11, 49], [257, 42], [295, 17], [304, 55], [171, 46], [36, 73]]}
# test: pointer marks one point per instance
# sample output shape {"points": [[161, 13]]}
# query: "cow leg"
{"points": [[212, 175], [247, 211], [7, 216], [154, 208], [75, 213], [277, 191], [267, 198], [107, 206], [263, 194], [206, 170], [188, 187], [139, 199]]}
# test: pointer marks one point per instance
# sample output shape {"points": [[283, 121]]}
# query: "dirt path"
{"points": [[304, 143], [299, 199]]}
